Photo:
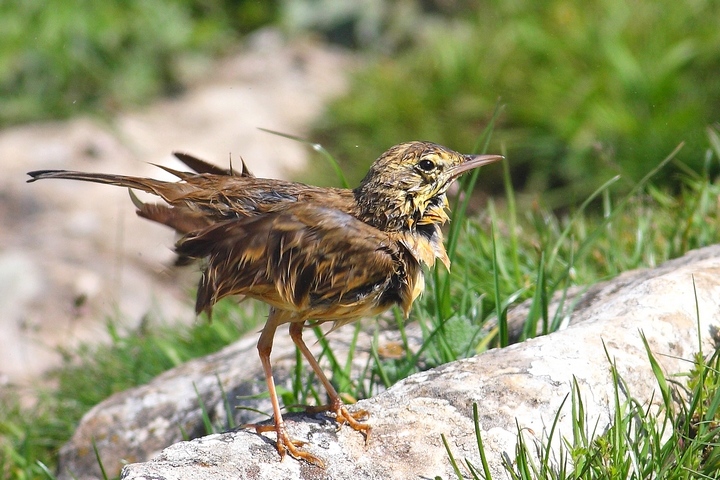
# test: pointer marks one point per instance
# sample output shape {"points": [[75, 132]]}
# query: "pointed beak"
{"points": [[471, 162]]}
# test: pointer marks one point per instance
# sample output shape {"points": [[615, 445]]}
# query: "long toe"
{"points": [[343, 415], [286, 444], [291, 446]]}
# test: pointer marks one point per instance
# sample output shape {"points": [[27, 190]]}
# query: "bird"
{"points": [[313, 254]]}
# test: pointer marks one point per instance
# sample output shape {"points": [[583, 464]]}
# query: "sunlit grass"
{"points": [[103, 56], [592, 90], [679, 440]]}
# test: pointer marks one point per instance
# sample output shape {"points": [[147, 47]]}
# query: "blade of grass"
{"points": [[229, 417], [207, 423], [340, 374], [45, 470], [462, 200], [459, 207], [575, 217], [713, 135], [453, 462], [503, 339], [297, 380], [478, 437], [659, 375], [592, 237], [347, 369], [318, 148], [379, 364], [545, 462], [254, 410], [697, 317], [511, 217], [538, 305], [99, 460]]}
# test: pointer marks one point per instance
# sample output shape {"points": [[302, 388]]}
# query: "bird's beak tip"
{"points": [[483, 159], [475, 161]]}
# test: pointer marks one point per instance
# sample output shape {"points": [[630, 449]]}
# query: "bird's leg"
{"points": [[342, 415], [285, 444]]}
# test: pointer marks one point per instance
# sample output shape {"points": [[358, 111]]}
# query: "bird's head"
{"points": [[406, 186]]}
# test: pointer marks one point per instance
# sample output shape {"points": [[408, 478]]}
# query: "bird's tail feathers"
{"points": [[144, 184]]}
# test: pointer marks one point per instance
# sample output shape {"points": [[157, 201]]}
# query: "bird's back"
{"points": [[314, 261]]}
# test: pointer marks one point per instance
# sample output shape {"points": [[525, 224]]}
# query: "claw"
{"points": [[344, 416], [286, 444]]}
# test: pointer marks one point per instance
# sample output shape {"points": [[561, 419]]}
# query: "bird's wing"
{"points": [[313, 260]]}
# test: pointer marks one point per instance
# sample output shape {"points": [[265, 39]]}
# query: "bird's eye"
{"points": [[426, 165]]}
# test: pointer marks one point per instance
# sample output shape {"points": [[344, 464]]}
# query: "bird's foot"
{"points": [[286, 444], [344, 416]]}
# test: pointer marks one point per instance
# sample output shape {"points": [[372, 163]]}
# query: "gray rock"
{"points": [[136, 424], [525, 384]]}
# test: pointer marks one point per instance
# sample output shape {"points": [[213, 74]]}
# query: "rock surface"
{"points": [[526, 383], [136, 424], [71, 254]]}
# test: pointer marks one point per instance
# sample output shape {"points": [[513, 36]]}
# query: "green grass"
{"points": [[680, 440], [592, 89], [69, 57], [511, 251]]}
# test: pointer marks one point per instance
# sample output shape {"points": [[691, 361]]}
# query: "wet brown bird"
{"points": [[313, 254]]}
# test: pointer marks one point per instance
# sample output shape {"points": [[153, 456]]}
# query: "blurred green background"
{"points": [[589, 88]]}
